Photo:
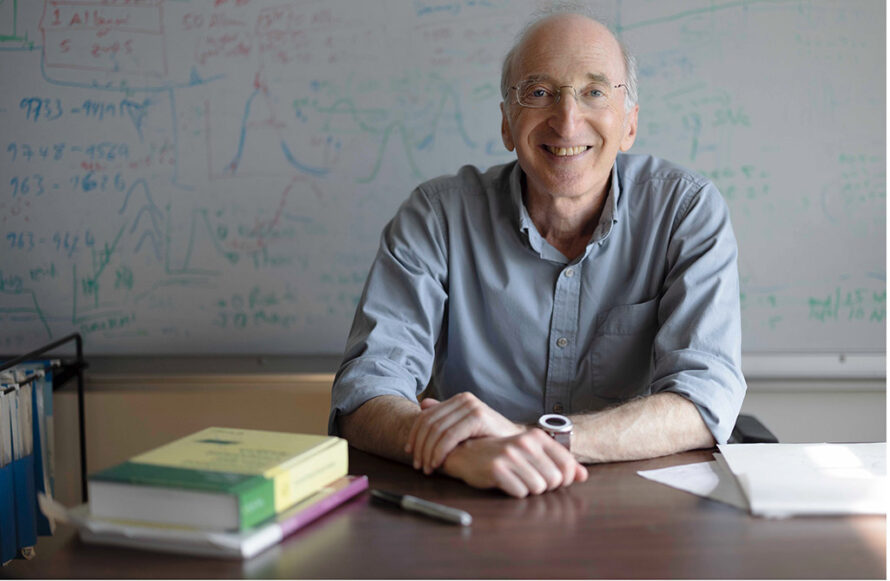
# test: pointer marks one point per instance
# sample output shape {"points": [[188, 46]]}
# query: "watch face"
{"points": [[555, 423], [557, 427]]}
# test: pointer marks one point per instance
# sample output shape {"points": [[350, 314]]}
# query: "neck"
{"points": [[566, 223]]}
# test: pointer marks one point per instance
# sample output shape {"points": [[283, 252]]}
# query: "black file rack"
{"points": [[68, 369]]}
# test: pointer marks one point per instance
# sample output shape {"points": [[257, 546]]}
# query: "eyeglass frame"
{"points": [[558, 92]]}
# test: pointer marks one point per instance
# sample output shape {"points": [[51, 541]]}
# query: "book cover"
{"points": [[242, 544], [218, 478]]}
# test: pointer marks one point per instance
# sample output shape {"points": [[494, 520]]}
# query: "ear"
{"points": [[506, 134], [630, 128]]}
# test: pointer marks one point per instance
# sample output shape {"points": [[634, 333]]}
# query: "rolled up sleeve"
{"points": [[698, 344], [391, 345]]}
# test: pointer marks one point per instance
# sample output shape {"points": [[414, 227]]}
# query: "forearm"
{"points": [[381, 426], [658, 425]]}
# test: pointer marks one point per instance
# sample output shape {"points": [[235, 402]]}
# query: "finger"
{"points": [[431, 411], [425, 403], [465, 421], [446, 435], [567, 468], [506, 478], [425, 422], [412, 433], [552, 468], [551, 473], [581, 473], [530, 476]]}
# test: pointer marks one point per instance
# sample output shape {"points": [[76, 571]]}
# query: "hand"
{"points": [[528, 463], [441, 426]]}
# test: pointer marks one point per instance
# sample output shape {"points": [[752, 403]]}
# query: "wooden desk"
{"points": [[615, 525]]}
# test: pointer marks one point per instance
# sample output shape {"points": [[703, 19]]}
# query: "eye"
{"points": [[594, 92], [538, 92]]}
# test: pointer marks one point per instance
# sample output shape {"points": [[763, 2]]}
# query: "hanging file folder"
{"points": [[23, 471], [8, 543], [39, 373]]}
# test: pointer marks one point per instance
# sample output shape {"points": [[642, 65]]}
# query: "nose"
{"points": [[565, 90], [566, 114]]}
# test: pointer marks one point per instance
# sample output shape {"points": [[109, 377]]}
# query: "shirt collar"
{"points": [[608, 218], [525, 221]]}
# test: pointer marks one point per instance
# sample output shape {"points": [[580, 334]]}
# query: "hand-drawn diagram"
{"points": [[212, 176]]}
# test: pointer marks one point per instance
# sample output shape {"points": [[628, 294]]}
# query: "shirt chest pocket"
{"points": [[621, 353]]}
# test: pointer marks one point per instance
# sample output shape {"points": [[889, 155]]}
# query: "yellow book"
{"points": [[219, 478]]}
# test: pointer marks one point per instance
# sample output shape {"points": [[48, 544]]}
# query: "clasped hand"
{"points": [[471, 441]]}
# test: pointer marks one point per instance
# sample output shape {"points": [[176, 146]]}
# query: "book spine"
{"points": [[256, 502], [294, 483], [336, 498], [265, 537]]}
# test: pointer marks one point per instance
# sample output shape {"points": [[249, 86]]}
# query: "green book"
{"points": [[218, 479]]}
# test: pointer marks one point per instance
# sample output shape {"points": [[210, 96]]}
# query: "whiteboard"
{"points": [[211, 177]]}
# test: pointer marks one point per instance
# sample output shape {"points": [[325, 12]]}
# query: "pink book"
{"points": [[331, 496]]}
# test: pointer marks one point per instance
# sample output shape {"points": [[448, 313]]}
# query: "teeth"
{"points": [[566, 151]]}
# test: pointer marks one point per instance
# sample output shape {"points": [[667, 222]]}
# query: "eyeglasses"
{"points": [[536, 94]]}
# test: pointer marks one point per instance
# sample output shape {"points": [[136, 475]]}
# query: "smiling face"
{"points": [[568, 149]]}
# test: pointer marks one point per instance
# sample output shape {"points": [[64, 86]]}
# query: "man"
{"points": [[577, 280]]}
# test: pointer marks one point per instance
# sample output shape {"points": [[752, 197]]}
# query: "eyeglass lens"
{"points": [[536, 94]]}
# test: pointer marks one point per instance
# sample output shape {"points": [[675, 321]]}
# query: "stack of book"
{"points": [[218, 492]]}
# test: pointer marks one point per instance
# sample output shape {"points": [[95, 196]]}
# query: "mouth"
{"points": [[566, 151]]}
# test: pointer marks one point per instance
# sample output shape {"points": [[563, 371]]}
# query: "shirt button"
{"points": [[570, 272], [562, 342], [557, 408]]}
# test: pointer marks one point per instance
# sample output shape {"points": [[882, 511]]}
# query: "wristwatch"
{"points": [[557, 427]]}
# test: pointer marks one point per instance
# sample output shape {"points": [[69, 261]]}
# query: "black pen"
{"points": [[408, 502]]}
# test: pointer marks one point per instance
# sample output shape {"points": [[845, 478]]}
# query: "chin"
{"points": [[568, 186]]}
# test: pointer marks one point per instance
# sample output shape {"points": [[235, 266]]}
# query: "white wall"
{"points": [[815, 410]]}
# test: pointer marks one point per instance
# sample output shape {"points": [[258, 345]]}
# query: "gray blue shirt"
{"points": [[466, 295]]}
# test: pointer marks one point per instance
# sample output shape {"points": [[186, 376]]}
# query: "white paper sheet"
{"points": [[706, 479], [795, 479]]}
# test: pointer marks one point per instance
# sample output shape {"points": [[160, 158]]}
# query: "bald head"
{"points": [[564, 18]]}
